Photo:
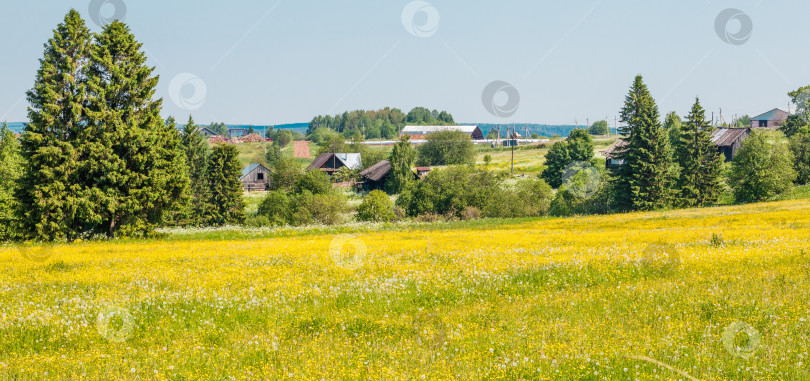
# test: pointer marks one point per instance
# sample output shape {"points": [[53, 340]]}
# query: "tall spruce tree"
{"points": [[48, 190], [402, 159], [643, 181], [700, 162], [132, 167], [224, 170], [10, 168], [196, 149]]}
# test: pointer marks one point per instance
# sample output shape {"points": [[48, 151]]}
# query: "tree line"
{"points": [[96, 158], [385, 123]]}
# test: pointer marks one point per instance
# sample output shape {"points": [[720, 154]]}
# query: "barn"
{"points": [[422, 132], [332, 162], [772, 119], [207, 132], [729, 140], [255, 177], [375, 176], [613, 152]]}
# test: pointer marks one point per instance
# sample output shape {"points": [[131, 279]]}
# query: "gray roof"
{"points": [[248, 169], [724, 137]]}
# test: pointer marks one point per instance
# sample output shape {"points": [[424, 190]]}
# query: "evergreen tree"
{"points": [[10, 168], [402, 159], [196, 153], [643, 181], [47, 190], [673, 124], [132, 167], [701, 164], [224, 170]]}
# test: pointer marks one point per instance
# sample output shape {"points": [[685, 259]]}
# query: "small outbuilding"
{"points": [[333, 162], [375, 176], [255, 177], [207, 132], [614, 152], [772, 119], [421, 172], [729, 140]]}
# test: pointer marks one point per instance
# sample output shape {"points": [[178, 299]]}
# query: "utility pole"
{"points": [[513, 150]]}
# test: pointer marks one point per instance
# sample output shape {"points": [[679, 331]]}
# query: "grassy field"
{"points": [[715, 294]]}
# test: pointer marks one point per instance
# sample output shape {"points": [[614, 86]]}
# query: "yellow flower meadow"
{"points": [[709, 294]]}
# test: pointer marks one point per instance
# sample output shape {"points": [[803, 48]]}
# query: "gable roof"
{"points": [[724, 137], [775, 114], [427, 130], [207, 131], [377, 171], [350, 160], [614, 149], [250, 168]]}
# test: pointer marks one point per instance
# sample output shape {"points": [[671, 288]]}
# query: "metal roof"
{"points": [[250, 168], [427, 130], [350, 160], [724, 137], [775, 114]]}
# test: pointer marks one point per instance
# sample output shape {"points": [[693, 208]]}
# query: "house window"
{"points": [[763, 123], [260, 176]]}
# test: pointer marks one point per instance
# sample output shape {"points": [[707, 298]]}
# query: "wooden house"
{"points": [[772, 119], [421, 172], [333, 162], [613, 152], [207, 132], [729, 140], [255, 177], [374, 177]]}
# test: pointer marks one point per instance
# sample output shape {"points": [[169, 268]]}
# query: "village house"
{"points": [[772, 119], [333, 162], [421, 172], [207, 132], [374, 177], [729, 140], [612, 152], [255, 177], [422, 132]]}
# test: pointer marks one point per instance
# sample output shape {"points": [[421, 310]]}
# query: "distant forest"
{"points": [[385, 123]]}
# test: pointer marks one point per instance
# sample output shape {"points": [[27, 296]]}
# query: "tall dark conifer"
{"points": [[224, 170], [196, 150], [48, 192], [643, 181], [700, 162], [132, 166]]}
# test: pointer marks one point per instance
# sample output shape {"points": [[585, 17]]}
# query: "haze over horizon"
{"points": [[281, 62]]}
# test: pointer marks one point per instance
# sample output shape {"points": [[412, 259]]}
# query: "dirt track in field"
{"points": [[301, 150]]}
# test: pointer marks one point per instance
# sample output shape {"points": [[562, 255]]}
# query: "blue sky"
{"points": [[274, 62]]}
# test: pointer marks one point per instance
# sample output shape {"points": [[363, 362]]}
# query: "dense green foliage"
{"points": [[385, 123], [219, 128], [762, 169], [196, 150], [644, 181], [302, 198], [402, 159], [376, 207], [451, 190], [600, 127], [446, 148], [10, 170], [673, 125], [578, 147], [700, 162], [224, 170], [800, 147]]}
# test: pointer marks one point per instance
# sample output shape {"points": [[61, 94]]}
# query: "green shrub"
{"points": [[376, 207], [762, 168], [314, 181], [446, 148], [277, 208], [325, 209]]}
